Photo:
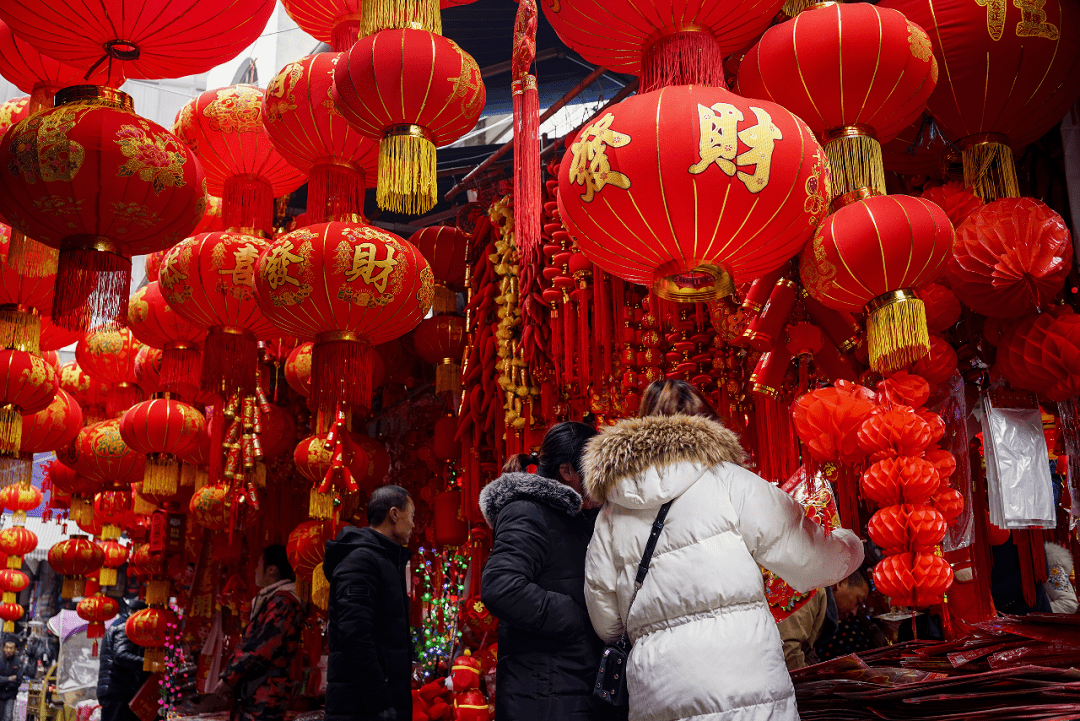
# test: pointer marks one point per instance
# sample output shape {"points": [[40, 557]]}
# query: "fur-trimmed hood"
{"points": [[510, 487], [640, 449], [1058, 555]]}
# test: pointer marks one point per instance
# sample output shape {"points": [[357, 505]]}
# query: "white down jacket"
{"points": [[706, 646]]}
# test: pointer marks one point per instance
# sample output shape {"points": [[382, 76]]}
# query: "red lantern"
{"points": [[666, 43], [444, 441], [899, 529], [451, 528], [137, 38], [874, 255], [957, 201], [900, 480], [154, 196], [441, 340], [224, 128], [112, 509], [631, 184], [1010, 257], [899, 432], [988, 52], [865, 73], [13, 582], [148, 370], [23, 294], [298, 369], [164, 430], [828, 421], [72, 558], [114, 557], [336, 23], [376, 287], [10, 612], [53, 428], [104, 456], [107, 354], [149, 628], [913, 579], [153, 322], [1042, 354], [307, 543], [209, 507], [372, 473], [317, 140], [444, 247], [41, 76], [16, 542], [145, 563], [209, 281], [89, 394], [96, 610], [19, 498], [27, 385], [942, 307], [412, 90]]}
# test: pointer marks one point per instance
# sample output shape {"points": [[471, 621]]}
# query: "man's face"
{"points": [[849, 597], [260, 574], [9, 650]]}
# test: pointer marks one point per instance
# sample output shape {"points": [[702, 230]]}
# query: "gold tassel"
{"points": [[896, 332], [447, 376], [855, 162], [9, 626], [16, 470], [154, 660], [20, 329], [157, 592], [445, 299], [141, 507], [188, 473], [107, 576], [110, 532], [10, 597], [30, 258], [72, 587], [202, 479], [400, 14], [989, 170], [320, 588], [407, 182], [162, 475], [792, 8], [15, 562], [320, 505], [10, 430], [82, 511]]}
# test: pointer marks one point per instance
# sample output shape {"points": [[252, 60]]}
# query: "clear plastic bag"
{"points": [[1021, 492]]}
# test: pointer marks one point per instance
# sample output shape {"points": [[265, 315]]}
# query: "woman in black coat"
{"points": [[534, 583]]}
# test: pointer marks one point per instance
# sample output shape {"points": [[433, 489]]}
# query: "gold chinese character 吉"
{"points": [[244, 272], [719, 143], [365, 263], [276, 268], [590, 165]]}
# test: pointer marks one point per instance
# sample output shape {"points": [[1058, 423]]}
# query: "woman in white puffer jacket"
{"points": [[705, 646]]}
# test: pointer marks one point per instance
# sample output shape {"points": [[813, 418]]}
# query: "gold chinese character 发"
{"points": [[995, 17], [1033, 20], [590, 165], [365, 262], [244, 272], [276, 268], [719, 143]]}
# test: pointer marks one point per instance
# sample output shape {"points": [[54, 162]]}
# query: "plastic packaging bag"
{"points": [[1021, 492]]}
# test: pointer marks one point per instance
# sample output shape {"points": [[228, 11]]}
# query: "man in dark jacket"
{"points": [[369, 670], [11, 675], [120, 671]]}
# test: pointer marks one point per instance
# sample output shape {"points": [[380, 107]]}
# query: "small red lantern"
{"points": [[444, 441], [451, 528], [107, 354], [899, 480], [441, 340], [164, 430], [96, 609], [115, 556], [913, 579], [27, 385], [153, 322], [102, 455], [307, 544], [20, 498], [957, 201], [828, 421], [904, 528], [16, 542], [76, 557], [54, 427], [13, 582], [112, 509], [149, 628], [444, 247], [899, 432], [942, 307], [209, 507], [10, 612], [298, 369]]}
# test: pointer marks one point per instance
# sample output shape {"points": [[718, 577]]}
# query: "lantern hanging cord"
{"points": [[930, 127], [115, 49]]}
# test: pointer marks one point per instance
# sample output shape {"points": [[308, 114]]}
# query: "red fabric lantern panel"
{"points": [[19, 499], [444, 247], [41, 76], [13, 582], [348, 287], [1010, 257], [123, 186], [112, 509], [298, 369], [10, 612], [140, 39], [828, 420], [104, 456], [632, 182], [16, 542], [444, 443], [114, 556], [54, 427], [315, 138], [27, 385], [12, 111], [900, 480], [148, 370], [23, 296], [913, 579], [53, 337], [336, 23], [107, 354]]}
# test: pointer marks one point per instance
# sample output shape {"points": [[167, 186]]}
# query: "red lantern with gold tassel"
{"points": [[875, 254], [75, 558], [107, 354], [164, 430], [96, 609], [23, 297], [153, 322], [209, 507], [376, 287], [47, 430], [102, 455], [441, 340], [10, 613], [444, 248], [16, 542], [412, 90], [111, 509], [12, 583], [114, 556], [149, 628], [19, 498], [153, 196], [29, 385]]}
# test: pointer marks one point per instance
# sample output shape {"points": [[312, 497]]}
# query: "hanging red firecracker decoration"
{"points": [[16, 542], [28, 385], [315, 139], [630, 182], [149, 628], [114, 556], [224, 128], [849, 51], [444, 248], [153, 322], [412, 90], [377, 287], [154, 196], [1010, 258], [107, 354], [164, 430], [209, 281], [874, 255], [75, 558], [441, 340], [328, 460]]}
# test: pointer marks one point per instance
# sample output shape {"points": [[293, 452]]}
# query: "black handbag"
{"points": [[611, 678]]}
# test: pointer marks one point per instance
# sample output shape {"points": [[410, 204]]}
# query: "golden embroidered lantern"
{"points": [[107, 354], [16, 542], [27, 385], [74, 559], [164, 430], [150, 628]]}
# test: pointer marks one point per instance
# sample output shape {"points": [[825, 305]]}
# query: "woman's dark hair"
{"points": [[671, 397], [563, 443], [276, 555]]}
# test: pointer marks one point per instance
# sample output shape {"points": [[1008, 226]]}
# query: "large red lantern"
{"points": [[107, 354], [224, 128], [317, 140], [1010, 258], [149, 628], [666, 43], [164, 430], [865, 74], [632, 187], [27, 385], [412, 90], [1009, 76], [441, 340], [16, 542], [74, 558], [347, 287], [39, 75], [445, 248], [209, 281], [105, 457], [139, 38], [336, 23], [123, 186], [12, 111], [153, 321], [874, 255]]}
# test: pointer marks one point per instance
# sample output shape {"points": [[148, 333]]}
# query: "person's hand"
{"points": [[389, 714]]}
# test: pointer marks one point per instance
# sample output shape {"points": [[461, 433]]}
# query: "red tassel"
{"points": [[584, 339], [527, 187], [180, 368], [1022, 540], [344, 35], [121, 397], [557, 346], [216, 418], [336, 193], [569, 343], [230, 356], [248, 202], [341, 374], [92, 288], [847, 498], [683, 58], [981, 557]]}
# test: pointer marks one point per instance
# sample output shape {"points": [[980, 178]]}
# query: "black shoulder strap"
{"points": [[650, 546]]}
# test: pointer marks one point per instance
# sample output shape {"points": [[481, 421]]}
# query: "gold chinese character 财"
{"points": [[761, 139], [719, 143], [244, 272], [276, 268], [365, 263], [590, 165]]}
